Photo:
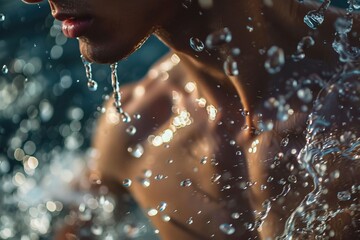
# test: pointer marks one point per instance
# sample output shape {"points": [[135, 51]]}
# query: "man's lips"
{"points": [[74, 26]]}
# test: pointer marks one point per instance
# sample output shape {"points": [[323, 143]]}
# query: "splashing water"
{"points": [[117, 95], [92, 84], [331, 157], [275, 60], [315, 18], [305, 42], [218, 38]]}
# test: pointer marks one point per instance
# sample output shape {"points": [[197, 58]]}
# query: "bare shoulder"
{"points": [[149, 103]]}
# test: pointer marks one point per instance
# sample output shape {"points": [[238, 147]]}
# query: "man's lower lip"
{"points": [[73, 28]]}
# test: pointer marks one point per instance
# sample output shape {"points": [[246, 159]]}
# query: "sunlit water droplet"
{"points": [[344, 196], [97, 230], [231, 67], [185, 183], [152, 212], [5, 69], [92, 85], [315, 18], [275, 60], [162, 206], [196, 44], [136, 151], [218, 38], [131, 130], [226, 228], [305, 42], [127, 182], [190, 221]]}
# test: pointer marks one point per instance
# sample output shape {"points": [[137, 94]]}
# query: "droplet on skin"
{"points": [[185, 183], [136, 151], [344, 196], [275, 60], [162, 206], [218, 38], [226, 228], [152, 212], [196, 44], [131, 130], [127, 182]]}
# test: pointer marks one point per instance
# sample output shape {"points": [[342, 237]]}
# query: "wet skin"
{"points": [[119, 28]]}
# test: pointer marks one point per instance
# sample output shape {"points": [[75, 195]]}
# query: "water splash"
{"points": [[275, 60], [330, 156], [315, 18], [218, 38], [305, 42]]}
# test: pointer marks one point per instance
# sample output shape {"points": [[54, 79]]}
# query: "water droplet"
{"points": [[226, 228], [231, 67], [137, 116], [186, 3], [284, 142], [2, 17], [218, 38], [343, 25], [5, 69], [162, 206], [186, 183], [196, 44], [235, 215], [97, 230], [235, 51], [145, 182], [250, 28], [275, 60], [344, 196], [166, 218], [356, 4], [203, 160], [131, 130], [305, 94], [190, 221], [136, 151], [305, 42], [313, 19], [215, 177], [92, 85], [125, 117], [127, 182], [152, 212]]}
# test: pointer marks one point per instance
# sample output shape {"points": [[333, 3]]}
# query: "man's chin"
{"points": [[102, 54]]}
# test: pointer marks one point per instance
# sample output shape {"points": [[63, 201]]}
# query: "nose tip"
{"points": [[31, 1]]}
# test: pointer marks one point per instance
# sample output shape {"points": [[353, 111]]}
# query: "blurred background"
{"points": [[47, 117]]}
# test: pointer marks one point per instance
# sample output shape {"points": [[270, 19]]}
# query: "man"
{"points": [[220, 126]]}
